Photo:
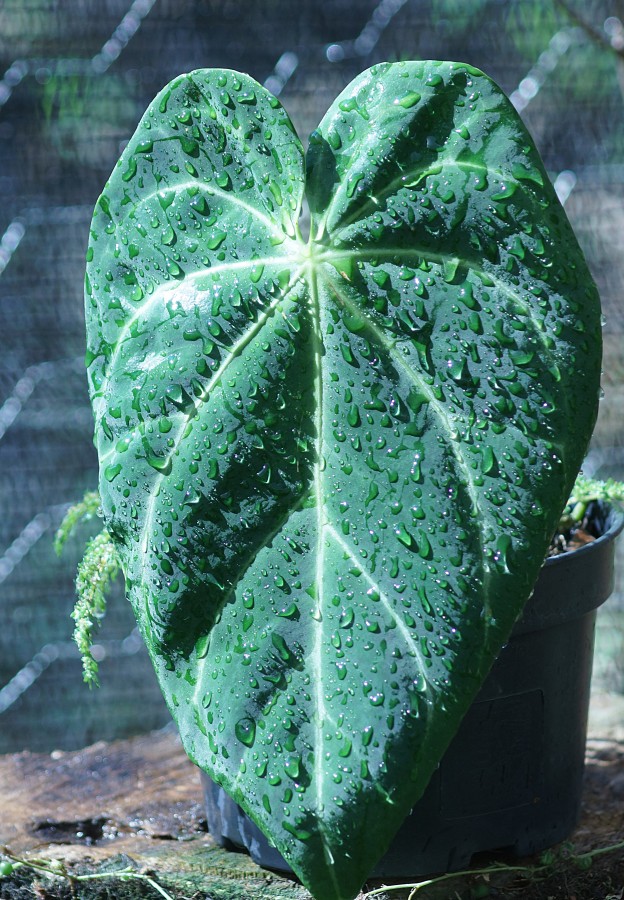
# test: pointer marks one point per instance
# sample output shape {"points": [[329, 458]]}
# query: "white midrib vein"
{"points": [[317, 655], [324, 528]]}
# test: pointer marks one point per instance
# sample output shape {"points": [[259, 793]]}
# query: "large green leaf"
{"points": [[332, 467]]}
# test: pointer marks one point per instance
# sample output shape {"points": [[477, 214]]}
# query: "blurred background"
{"points": [[75, 77]]}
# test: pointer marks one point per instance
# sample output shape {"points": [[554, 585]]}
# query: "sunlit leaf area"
{"points": [[75, 80]]}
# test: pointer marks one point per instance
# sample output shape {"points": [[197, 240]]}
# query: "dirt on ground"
{"points": [[137, 803]]}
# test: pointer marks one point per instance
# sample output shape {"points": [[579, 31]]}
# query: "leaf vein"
{"points": [[440, 259], [412, 646], [441, 415], [235, 351], [374, 202], [173, 287]]}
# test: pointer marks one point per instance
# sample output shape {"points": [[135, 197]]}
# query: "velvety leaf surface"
{"points": [[332, 468]]}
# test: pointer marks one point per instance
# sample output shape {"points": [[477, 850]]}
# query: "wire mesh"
{"points": [[77, 76]]}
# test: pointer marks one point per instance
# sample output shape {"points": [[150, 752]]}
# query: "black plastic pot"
{"points": [[511, 779]]}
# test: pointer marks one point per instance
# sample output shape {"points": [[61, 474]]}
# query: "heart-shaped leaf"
{"points": [[332, 467]]}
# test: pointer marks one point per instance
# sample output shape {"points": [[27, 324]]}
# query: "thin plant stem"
{"points": [[539, 870], [61, 872]]}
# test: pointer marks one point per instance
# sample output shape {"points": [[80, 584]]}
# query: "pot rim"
{"points": [[613, 516]]}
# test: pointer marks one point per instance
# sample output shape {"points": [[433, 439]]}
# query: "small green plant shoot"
{"points": [[331, 465]]}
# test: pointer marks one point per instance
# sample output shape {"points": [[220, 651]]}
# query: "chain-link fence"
{"points": [[77, 76]]}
